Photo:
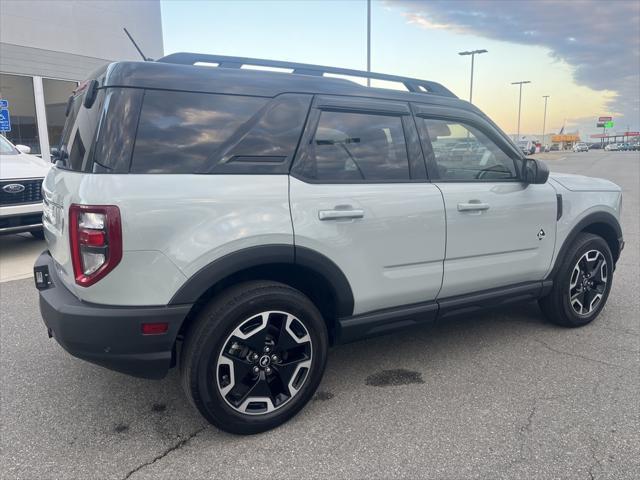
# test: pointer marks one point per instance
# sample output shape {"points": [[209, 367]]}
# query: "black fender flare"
{"points": [[591, 219], [265, 255]]}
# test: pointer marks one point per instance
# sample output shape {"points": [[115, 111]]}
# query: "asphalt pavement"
{"points": [[499, 395]]}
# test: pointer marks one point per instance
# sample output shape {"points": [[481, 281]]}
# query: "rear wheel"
{"points": [[254, 357], [582, 284]]}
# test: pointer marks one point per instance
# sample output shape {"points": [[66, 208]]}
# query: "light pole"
{"points": [[473, 54], [544, 119], [368, 41], [519, 104]]}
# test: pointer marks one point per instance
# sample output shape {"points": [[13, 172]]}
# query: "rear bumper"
{"points": [[109, 336]]}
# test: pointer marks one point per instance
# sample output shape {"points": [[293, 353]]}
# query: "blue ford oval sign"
{"points": [[13, 188]]}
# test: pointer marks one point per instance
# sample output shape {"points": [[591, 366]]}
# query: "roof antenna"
{"points": [[146, 59]]}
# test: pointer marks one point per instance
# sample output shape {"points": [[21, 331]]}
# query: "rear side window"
{"points": [[356, 147], [181, 132]]}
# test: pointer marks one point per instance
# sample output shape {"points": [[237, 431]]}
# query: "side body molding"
{"points": [[262, 256]]}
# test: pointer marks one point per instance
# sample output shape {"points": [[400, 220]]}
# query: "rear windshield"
{"points": [[78, 133]]}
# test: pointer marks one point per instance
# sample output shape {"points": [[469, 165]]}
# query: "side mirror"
{"points": [[535, 171], [23, 149]]}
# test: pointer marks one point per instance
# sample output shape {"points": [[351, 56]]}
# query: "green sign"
{"points": [[608, 124]]}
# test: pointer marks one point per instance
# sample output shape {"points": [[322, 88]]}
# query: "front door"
{"points": [[500, 230], [360, 197]]}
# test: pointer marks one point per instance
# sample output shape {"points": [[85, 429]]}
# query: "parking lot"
{"points": [[500, 395]]}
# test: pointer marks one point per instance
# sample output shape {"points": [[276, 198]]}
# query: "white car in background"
{"points": [[21, 178], [580, 147], [612, 147]]}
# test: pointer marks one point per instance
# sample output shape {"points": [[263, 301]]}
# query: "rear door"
{"points": [[359, 195], [500, 230]]}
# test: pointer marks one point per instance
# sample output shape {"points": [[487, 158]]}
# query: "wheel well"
{"points": [[607, 232], [309, 282]]}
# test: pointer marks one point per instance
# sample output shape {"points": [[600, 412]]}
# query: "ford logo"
{"points": [[13, 188]]}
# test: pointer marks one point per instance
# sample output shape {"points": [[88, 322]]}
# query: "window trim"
{"points": [[363, 106], [467, 118]]}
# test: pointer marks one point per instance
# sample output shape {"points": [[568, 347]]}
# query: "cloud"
{"points": [[600, 40]]}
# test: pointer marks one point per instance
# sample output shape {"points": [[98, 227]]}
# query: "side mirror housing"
{"points": [[535, 171], [23, 149]]}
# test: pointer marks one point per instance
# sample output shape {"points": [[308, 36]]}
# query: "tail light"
{"points": [[96, 241]]}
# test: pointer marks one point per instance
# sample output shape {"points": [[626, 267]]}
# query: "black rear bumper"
{"points": [[110, 336]]}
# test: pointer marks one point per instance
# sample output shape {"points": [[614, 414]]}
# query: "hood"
{"points": [[22, 166], [582, 183]]}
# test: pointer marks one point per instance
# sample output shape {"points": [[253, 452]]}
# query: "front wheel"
{"points": [[254, 357], [582, 284]]}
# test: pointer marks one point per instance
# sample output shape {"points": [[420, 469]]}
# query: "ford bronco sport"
{"points": [[237, 222]]}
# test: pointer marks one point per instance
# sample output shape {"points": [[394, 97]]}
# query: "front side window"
{"points": [[357, 147], [462, 152]]}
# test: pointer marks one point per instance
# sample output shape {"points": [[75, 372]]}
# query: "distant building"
{"points": [[46, 48], [565, 141]]}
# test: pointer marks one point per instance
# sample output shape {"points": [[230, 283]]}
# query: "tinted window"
{"points": [[182, 132], [463, 152], [357, 147], [79, 132], [117, 130], [56, 96]]}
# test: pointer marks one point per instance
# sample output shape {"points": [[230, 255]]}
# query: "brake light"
{"points": [[96, 241]]}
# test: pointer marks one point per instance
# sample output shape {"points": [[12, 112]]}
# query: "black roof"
{"points": [[180, 72]]}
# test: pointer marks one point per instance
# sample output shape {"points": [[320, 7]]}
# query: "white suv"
{"points": [[21, 177], [238, 222]]}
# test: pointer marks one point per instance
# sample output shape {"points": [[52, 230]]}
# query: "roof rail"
{"points": [[412, 84]]}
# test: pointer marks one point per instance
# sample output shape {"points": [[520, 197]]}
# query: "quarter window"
{"points": [[357, 147], [462, 152], [182, 132]]}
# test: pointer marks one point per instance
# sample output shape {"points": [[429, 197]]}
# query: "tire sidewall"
{"points": [[215, 405]]}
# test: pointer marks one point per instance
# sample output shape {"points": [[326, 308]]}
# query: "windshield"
{"points": [[77, 136], [6, 148]]}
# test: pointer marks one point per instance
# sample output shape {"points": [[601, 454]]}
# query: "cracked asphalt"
{"points": [[500, 395]]}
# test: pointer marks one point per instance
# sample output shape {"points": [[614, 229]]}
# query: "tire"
{"points": [[39, 234], [583, 256], [260, 325]]}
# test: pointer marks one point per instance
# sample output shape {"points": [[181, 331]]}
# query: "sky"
{"points": [[585, 54]]}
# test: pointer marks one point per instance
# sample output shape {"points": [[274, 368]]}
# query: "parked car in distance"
{"points": [[554, 148], [612, 147], [635, 146], [580, 147], [528, 147], [235, 223], [21, 176], [596, 146]]}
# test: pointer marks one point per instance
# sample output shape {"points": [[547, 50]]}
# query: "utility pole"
{"points": [[473, 54], [544, 119], [519, 104], [368, 41]]}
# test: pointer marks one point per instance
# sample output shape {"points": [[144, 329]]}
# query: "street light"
{"points": [[368, 41], [519, 104], [473, 55], [544, 119]]}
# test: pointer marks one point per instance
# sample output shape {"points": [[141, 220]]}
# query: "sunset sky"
{"points": [[584, 54]]}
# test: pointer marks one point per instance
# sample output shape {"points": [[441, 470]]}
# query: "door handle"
{"points": [[339, 214], [472, 206]]}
